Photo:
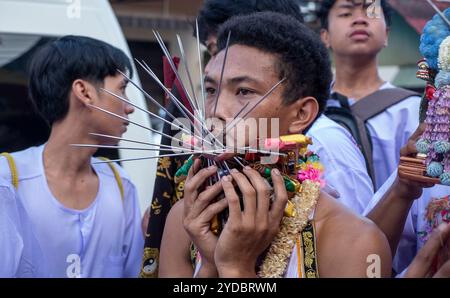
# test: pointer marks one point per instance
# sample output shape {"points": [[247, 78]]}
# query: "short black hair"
{"points": [[216, 12], [326, 6], [58, 64], [302, 58]]}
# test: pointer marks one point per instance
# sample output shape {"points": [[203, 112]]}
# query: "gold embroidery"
{"points": [[156, 206], [179, 192], [311, 274], [164, 164], [310, 265], [309, 249], [275, 263], [193, 251], [150, 263], [161, 174]]}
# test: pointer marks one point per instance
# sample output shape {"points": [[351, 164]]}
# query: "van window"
{"points": [[20, 124]]}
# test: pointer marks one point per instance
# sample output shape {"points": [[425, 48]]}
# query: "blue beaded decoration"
{"points": [[442, 147], [422, 146], [435, 169], [445, 179]]}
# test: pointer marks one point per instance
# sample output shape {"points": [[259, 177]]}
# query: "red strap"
{"points": [[170, 80]]}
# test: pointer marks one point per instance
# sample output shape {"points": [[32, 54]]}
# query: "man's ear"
{"points": [[305, 111], [325, 36], [83, 91]]}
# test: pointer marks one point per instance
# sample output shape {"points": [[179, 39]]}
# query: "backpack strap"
{"points": [[375, 103], [116, 175], [355, 117], [369, 107], [344, 116], [13, 169]]}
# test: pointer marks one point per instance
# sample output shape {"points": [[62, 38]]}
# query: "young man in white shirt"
{"points": [[11, 243], [356, 38], [408, 211], [84, 217]]}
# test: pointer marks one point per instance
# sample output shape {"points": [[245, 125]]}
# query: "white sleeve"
{"points": [[354, 187], [134, 239], [406, 249], [11, 242], [407, 246], [345, 170], [380, 193]]}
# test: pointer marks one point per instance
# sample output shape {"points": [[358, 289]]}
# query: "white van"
{"points": [[27, 24]]}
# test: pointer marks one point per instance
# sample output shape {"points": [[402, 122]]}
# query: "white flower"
{"points": [[444, 55]]}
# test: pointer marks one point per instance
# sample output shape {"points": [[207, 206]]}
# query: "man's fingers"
{"points": [[234, 207], [212, 210], [248, 192], [189, 196], [263, 191], [194, 169], [196, 181], [421, 264], [410, 147], [204, 199], [281, 196]]}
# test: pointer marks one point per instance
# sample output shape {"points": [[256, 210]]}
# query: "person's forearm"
{"points": [[390, 214]]}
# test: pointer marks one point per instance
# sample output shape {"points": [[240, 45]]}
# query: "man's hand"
{"points": [[438, 243], [249, 232], [404, 187], [199, 210]]}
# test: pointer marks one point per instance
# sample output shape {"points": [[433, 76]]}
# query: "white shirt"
{"points": [[389, 132], [417, 227], [345, 167], [11, 243], [103, 240]]}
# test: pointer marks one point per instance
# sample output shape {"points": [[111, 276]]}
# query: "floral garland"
{"points": [[304, 201]]}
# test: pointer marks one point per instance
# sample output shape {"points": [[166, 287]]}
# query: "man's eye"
{"points": [[244, 92], [210, 91], [346, 14]]}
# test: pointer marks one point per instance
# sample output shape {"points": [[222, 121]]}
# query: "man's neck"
{"points": [[61, 159], [357, 78]]}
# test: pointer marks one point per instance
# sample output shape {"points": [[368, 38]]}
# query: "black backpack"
{"points": [[354, 118]]}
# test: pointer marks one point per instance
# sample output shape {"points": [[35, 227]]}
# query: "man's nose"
{"points": [[360, 20], [360, 16], [129, 109], [222, 108]]}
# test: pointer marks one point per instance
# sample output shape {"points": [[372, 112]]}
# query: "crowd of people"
{"points": [[64, 214]]}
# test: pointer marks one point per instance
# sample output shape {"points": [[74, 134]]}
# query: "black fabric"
{"points": [[343, 115], [165, 195]]}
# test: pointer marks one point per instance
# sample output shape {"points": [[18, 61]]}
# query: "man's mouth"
{"points": [[359, 34]]}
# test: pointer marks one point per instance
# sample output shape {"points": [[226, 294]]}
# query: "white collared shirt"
{"points": [[345, 167], [389, 132], [103, 240], [418, 224]]}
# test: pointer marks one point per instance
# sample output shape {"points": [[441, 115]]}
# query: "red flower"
{"points": [[429, 92]]}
